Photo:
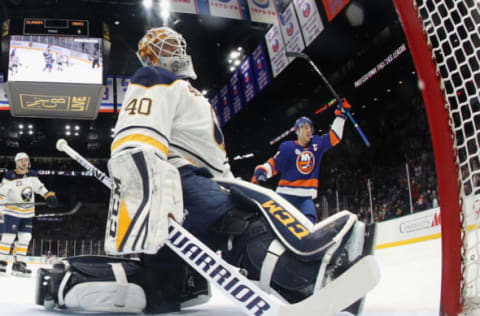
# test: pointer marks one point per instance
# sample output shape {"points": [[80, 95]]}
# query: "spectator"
{"points": [[421, 204]]}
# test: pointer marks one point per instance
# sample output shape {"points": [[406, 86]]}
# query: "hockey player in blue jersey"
{"points": [[298, 162], [168, 162]]}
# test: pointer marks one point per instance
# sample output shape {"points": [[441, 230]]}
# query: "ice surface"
{"points": [[410, 285]]}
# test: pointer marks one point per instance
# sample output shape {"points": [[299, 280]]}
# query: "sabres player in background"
{"points": [[17, 197], [168, 162], [298, 162]]}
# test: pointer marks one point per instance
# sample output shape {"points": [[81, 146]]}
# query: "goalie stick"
{"points": [[329, 86], [334, 297], [68, 213]]}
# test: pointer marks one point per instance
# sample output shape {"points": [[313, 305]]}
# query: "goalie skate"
{"points": [[20, 269]]}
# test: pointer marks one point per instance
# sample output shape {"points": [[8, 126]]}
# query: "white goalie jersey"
{"points": [[167, 114]]}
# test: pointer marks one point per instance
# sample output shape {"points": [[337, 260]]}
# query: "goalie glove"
{"points": [[343, 108]]}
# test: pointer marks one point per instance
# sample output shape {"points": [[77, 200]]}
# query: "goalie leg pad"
{"points": [[108, 284], [91, 284], [106, 297], [253, 246], [290, 226], [145, 191], [263, 257]]}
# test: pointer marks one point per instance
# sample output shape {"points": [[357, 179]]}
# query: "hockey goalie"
{"points": [[168, 163]]}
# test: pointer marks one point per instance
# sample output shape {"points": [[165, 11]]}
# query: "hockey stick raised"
{"points": [[332, 90], [68, 213], [244, 292]]}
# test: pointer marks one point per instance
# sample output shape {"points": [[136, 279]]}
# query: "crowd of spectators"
{"points": [[386, 194]]}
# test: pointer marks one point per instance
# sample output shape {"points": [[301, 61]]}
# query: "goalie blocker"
{"points": [[270, 240]]}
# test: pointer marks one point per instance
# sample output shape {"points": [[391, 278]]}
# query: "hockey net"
{"points": [[444, 40]]}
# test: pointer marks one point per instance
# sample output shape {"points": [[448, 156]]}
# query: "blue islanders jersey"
{"points": [[298, 165]]}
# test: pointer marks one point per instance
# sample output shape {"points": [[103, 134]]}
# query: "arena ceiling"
{"points": [[343, 52]]}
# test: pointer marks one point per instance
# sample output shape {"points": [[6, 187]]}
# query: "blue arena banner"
{"points": [[235, 93], [215, 102], [248, 83], [260, 68], [224, 99]]}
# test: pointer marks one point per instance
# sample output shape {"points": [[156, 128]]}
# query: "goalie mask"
{"points": [[166, 48]]}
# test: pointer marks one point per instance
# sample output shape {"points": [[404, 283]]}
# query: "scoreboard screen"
{"points": [[55, 66], [45, 26]]}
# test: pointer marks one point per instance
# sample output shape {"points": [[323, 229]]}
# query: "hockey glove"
{"points": [[52, 201], [259, 175], [343, 107]]}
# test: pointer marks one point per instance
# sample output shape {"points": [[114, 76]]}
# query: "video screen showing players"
{"points": [[55, 59]]}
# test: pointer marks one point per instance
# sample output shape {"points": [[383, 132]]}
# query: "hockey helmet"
{"points": [[22, 155], [166, 48], [303, 120]]}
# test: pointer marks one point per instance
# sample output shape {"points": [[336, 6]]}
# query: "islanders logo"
{"points": [[306, 10], [290, 29], [275, 46], [305, 162], [262, 3]]}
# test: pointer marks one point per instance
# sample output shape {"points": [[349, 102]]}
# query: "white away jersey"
{"points": [[20, 188], [168, 114]]}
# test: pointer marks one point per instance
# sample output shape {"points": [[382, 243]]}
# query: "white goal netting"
{"points": [[452, 29]]}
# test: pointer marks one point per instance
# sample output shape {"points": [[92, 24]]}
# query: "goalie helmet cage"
{"points": [[444, 41]]}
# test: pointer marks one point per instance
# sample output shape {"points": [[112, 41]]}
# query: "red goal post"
{"points": [[444, 40]]}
